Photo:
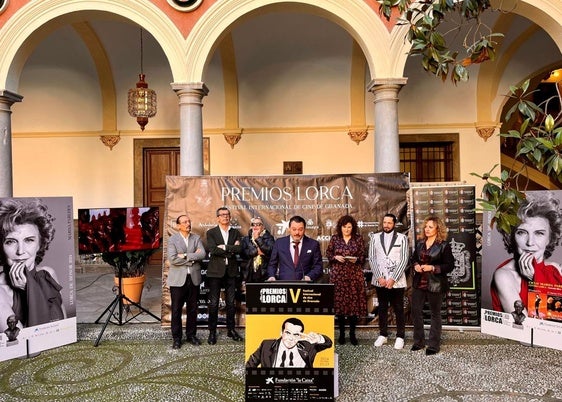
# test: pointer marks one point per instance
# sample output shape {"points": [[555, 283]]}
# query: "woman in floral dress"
{"points": [[346, 255]]}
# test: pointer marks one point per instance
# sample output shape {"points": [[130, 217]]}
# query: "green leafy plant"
{"points": [[539, 136], [132, 263], [539, 142], [499, 197], [424, 18], [537, 133]]}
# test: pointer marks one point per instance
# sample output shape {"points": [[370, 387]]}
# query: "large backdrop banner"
{"points": [[455, 204], [37, 283], [320, 200], [522, 275]]}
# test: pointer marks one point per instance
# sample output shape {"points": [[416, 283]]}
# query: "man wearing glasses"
{"points": [[223, 243], [293, 349], [256, 250], [185, 251]]}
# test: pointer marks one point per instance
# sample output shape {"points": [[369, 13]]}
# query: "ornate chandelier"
{"points": [[141, 100]]}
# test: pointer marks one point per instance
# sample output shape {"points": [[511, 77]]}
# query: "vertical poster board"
{"points": [[455, 204], [539, 321], [321, 200], [44, 230], [270, 374]]}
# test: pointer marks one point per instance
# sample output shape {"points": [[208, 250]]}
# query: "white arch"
{"points": [[355, 16], [545, 13], [32, 17]]}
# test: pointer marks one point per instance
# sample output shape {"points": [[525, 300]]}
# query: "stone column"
{"points": [[7, 99], [191, 127], [387, 144]]}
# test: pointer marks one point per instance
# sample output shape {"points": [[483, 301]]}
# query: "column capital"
{"points": [[381, 83], [386, 89], [9, 97], [186, 88]]}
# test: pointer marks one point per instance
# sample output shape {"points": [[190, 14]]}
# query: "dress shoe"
{"points": [[416, 347], [194, 340], [430, 351], [234, 335], [212, 338], [176, 344]]}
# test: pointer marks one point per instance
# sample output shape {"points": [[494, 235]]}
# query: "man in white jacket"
{"points": [[388, 257]]}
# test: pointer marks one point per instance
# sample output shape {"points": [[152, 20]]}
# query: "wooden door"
{"points": [[158, 163]]}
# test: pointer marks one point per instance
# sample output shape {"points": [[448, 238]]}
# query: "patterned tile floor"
{"points": [[135, 362]]}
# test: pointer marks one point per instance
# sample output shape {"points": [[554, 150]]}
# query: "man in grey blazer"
{"points": [[185, 251]]}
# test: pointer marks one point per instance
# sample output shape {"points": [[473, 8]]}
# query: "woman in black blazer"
{"points": [[432, 260]]}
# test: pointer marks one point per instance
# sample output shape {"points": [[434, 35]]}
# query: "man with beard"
{"points": [[388, 257]]}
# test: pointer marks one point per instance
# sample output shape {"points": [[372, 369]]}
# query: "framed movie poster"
{"points": [[37, 283], [522, 274]]}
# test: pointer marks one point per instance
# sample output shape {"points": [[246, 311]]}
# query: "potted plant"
{"points": [[129, 267]]}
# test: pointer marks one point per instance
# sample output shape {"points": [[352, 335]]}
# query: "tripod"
{"points": [[118, 302]]}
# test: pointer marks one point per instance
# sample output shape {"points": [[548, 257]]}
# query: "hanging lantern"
{"points": [[141, 100]]}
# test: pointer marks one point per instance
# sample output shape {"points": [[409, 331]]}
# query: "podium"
{"points": [[293, 319]]}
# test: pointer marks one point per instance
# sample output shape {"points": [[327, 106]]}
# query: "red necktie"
{"points": [[296, 255]]}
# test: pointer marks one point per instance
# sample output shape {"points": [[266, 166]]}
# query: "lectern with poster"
{"points": [[289, 341]]}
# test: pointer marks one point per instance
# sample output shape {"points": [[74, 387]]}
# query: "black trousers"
{"points": [[215, 285], [419, 297], [180, 295], [395, 298]]}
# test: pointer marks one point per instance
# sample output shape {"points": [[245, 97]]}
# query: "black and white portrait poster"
{"points": [[37, 283], [522, 274], [289, 354]]}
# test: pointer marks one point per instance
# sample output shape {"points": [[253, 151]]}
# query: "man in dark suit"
{"points": [[293, 350], [295, 257], [185, 250], [223, 243]]}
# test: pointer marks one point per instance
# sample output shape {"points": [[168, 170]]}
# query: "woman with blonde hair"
{"points": [[432, 260], [26, 231]]}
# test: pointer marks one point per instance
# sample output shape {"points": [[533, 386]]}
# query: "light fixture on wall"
{"points": [[142, 100]]}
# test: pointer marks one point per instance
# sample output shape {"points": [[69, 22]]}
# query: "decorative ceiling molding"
{"points": [[358, 135], [110, 140], [232, 139], [485, 132]]}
